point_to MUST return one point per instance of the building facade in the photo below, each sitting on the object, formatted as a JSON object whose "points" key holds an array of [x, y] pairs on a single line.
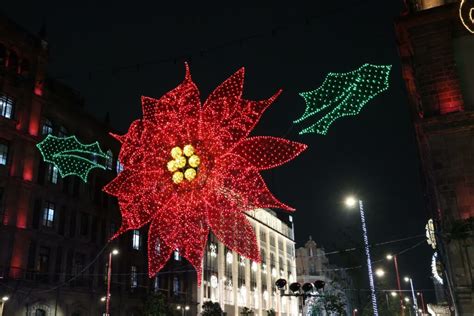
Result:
{"points": [[239, 284], [436, 46], [312, 265], [53, 230]]}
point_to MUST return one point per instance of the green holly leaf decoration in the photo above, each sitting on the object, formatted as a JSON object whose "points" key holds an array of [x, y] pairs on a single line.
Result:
{"points": [[344, 94], [70, 156]]}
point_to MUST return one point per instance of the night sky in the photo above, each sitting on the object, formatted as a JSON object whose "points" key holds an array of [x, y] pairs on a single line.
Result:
{"points": [[373, 155]]}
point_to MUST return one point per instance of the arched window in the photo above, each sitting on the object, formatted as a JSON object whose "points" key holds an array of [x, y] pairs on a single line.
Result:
{"points": [[110, 160], [13, 61], [119, 167], [47, 127], [40, 312], [175, 285]]}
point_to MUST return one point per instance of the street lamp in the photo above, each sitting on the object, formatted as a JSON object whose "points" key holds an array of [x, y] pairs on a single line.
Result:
{"points": [[352, 202], [183, 309], [415, 304], [379, 272], [109, 275], [395, 263], [2, 303], [420, 294], [354, 312]]}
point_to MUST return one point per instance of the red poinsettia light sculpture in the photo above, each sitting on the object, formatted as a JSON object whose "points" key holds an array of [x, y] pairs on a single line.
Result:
{"points": [[191, 168]]}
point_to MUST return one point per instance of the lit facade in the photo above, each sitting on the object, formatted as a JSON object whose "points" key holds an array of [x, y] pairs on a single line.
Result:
{"points": [[312, 265], [235, 282], [436, 50]]}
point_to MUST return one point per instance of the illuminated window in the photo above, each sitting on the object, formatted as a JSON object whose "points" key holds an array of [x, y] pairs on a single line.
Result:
{"points": [[47, 127], [110, 160], [6, 106], [175, 285], [136, 239], [176, 255], [119, 166], [133, 277], [48, 215], [53, 173], [3, 154]]}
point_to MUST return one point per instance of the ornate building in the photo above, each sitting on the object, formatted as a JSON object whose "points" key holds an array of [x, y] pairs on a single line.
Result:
{"points": [[436, 45], [53, 230], [312, 264]]}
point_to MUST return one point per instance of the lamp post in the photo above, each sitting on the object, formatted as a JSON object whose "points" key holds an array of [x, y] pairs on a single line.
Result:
{"points": [[109, 274], [395, 263], [297, 290], [420, 294], [354, 312], [2, 303], [415, 304], [351, 202], [183, 309]]}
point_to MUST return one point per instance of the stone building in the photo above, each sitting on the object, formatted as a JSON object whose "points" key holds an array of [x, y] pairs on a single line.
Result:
{"points": [[236, 282], [53, 230], [436, 46], [312, 264]]}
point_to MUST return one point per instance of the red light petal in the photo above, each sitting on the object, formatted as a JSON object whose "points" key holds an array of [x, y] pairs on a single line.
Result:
{"points": [[235, 118], [265, 152], [234, 230], [181, 102], [231, 87], [238, 181]]}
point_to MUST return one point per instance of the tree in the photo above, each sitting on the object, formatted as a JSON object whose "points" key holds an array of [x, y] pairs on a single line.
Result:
{"points": [[210, 308], [246, 311], [271, 312], [156, 305]]}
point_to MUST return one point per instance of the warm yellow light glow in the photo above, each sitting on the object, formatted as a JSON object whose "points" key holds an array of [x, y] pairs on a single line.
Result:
{"points": [[178, 177], [188, 150], [194, 161], [5, 298], [115, 252], [181, 161], [379, 272], [389, 257], [176, 152], [393, 293], [102, 299], [407, 279], [190, 174], [172, 166], [407, 299], [351, 201]]}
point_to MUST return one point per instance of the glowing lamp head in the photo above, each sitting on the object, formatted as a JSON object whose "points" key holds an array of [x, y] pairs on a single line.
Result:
{"points": [[393, 293], [407, 299], [351, 201], [5, 298], [178, 307], [115, 252], [379, 272], [186, 307], [407, 279], [102, 299], [389, 257]]}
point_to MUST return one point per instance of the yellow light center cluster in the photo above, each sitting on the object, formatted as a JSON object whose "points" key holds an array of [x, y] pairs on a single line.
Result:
{"points": [[184, 164]]}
